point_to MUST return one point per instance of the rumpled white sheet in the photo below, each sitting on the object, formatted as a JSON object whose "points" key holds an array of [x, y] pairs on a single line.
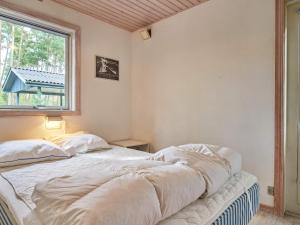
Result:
{"points": [[215, 169], [206, 211], [113, 192]]}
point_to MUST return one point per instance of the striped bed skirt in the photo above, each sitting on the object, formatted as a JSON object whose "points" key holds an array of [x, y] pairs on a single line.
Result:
{"points": [[240, 212], [6, 217]]}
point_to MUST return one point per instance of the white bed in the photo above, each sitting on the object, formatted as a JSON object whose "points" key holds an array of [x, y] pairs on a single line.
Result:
{"points": [[201, 212]]}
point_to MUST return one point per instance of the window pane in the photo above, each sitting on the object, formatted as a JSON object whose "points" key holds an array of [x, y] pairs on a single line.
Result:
{"points": [[32, 67]]}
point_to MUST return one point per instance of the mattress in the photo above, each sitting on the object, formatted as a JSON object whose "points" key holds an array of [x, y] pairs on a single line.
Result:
{"points": [[237, 200]]}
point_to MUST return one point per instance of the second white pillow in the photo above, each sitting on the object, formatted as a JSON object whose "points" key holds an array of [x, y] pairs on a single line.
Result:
{"points": [[80, 143]]}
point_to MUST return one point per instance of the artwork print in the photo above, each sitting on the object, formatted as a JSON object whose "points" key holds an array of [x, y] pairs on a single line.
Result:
{"points": [[107, 68]]}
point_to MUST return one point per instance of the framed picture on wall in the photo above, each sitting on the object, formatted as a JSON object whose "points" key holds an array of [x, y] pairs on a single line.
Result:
{"points": [[107, 68]]}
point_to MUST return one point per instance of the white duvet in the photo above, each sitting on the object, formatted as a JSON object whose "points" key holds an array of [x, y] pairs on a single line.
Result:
{"points": [[91, 191]]}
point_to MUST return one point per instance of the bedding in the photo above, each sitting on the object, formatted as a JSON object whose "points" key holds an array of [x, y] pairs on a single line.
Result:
{"points": [[91, 191], [80, 142], [149, 170], [19, 152], [239, 212], [233, 157], [215, 169], [20, 210], [206, 211]]}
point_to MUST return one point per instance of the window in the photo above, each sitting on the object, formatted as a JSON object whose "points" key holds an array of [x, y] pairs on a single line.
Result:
{"points": [[38, 59]]}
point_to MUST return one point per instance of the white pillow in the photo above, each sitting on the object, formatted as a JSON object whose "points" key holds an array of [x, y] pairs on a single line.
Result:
{"points": [[80, 143], [19, 152]]}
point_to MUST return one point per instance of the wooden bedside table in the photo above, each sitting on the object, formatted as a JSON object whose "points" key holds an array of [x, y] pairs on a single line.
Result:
{"points": [[134, 144]]}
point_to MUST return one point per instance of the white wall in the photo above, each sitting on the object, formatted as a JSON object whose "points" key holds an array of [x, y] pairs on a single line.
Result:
{"points": [[207, 76], [105, 103]]}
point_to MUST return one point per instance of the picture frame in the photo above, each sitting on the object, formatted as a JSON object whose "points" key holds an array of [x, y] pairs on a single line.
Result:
{"points": [[107, 68]]}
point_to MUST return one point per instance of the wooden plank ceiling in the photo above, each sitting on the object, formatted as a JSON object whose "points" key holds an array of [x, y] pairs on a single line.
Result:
{"points": [[130, 15]]}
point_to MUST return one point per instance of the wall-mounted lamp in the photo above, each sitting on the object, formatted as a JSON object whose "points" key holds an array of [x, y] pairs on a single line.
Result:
{"points": [[54, 122], [146, 33]]}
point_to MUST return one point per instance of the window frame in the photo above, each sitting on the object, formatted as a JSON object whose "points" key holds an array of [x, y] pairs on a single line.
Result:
{"points": [[73, 67]]}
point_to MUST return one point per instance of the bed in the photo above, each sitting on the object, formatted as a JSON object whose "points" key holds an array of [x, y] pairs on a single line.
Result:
{"points": [[235, 203]]}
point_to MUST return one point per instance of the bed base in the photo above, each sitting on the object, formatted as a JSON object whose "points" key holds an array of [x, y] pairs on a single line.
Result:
{"points": [[242, 210]]}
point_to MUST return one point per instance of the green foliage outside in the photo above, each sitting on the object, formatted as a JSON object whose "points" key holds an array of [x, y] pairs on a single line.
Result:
{"points": [[29, 48]]}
